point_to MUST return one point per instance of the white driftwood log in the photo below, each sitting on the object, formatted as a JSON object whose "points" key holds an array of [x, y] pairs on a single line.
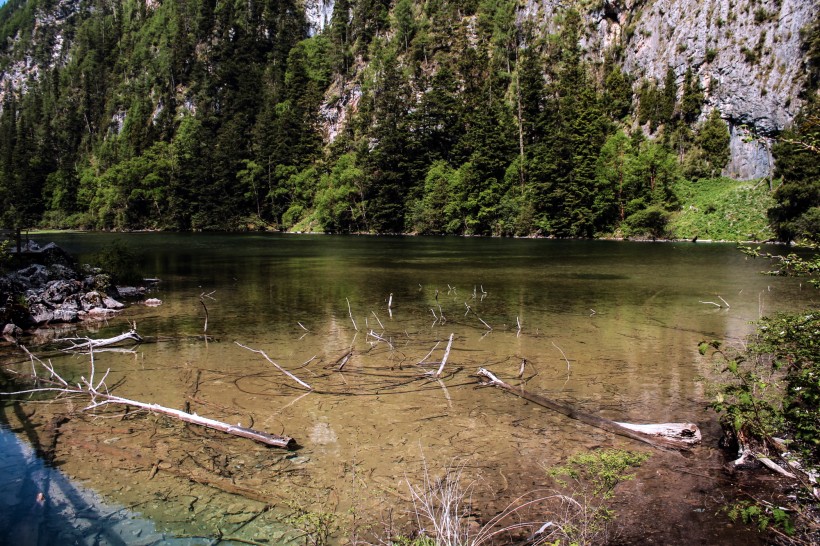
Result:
{"points": [[688, 433], [83, 344], [98, 392], [236, 430], [682, 438]]}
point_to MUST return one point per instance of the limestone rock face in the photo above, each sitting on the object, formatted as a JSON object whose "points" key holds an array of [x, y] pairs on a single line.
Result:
{"points": [[318, 14], [747, 54]]}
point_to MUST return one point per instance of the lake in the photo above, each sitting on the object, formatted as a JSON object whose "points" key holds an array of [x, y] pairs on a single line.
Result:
{"points": [[609, 327]]}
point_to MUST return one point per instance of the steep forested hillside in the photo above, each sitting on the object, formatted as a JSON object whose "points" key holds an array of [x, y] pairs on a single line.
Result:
{"points": [[437, 116]]}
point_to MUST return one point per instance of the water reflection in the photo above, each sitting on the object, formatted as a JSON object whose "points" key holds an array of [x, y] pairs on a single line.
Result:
{"points": [[611, 327], [40, 506]]}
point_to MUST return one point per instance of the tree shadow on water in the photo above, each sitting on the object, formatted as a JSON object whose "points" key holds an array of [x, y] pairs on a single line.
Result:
{"points": [[40, 506]]}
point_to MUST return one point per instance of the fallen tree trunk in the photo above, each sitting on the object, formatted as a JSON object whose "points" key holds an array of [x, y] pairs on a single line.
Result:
{"points": [[100, 398], [664, 436], [236, 430]]}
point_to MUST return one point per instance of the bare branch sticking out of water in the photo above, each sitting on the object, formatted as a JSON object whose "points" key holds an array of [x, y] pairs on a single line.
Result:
{"points": [[350, 312], [428, 354], [470, 309], [446, 354], [569, 370], [202, 297], [521, 368], [100, 397], [374, 335], [277, 366], [377, 320], [718, 305]]}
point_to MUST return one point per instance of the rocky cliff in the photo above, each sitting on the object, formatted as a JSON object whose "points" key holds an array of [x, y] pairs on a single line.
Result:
{"points": [[747, 54]]}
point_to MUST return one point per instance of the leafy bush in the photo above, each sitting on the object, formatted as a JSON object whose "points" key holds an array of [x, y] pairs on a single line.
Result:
{"points": [[120, 262], [590, 479], [761, 516], [773, 386], [651, 222]]}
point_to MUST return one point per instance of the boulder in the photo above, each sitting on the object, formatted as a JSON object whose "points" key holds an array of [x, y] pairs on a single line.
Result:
{"points": [[11, 331], [58, 291]]}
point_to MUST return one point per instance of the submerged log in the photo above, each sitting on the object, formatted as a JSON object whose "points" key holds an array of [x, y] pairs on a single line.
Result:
{"points": [[664, 436], [236, 430]]}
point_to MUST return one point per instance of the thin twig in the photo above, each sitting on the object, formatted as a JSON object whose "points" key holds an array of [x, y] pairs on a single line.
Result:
{"points": [[278, 367], [350, 312], [446, 354]]}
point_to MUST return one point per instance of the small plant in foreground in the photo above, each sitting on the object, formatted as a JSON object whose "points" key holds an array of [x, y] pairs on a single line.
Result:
{"points": [[317, 527], [600, 471], [762, 516], [590, 478]]}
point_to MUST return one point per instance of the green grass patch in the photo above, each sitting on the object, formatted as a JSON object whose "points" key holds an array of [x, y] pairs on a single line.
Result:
{"points": [[722, 209]]}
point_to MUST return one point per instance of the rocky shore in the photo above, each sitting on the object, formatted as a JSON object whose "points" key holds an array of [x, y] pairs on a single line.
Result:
{"points": [[47, 286]]}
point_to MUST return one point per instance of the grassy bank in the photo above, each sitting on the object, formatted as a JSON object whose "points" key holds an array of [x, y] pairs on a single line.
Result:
{"points": [[722, 209]]}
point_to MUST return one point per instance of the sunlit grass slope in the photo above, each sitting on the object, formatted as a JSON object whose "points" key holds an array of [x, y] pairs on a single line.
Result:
{"points": [[722, 209]]}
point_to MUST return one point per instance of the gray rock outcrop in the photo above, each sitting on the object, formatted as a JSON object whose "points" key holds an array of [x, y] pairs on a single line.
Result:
{"points": [[52, 292], [747, 54]]}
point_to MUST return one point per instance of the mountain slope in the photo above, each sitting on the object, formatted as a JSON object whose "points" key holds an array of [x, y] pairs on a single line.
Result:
{"points": [[485, 116]]}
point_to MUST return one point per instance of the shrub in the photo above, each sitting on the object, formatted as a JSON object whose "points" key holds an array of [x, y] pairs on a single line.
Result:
{"points": [[651, 222], [120, 262]]}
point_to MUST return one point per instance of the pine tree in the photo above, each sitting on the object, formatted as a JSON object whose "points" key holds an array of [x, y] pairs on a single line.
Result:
{"points": [[713, 138]]}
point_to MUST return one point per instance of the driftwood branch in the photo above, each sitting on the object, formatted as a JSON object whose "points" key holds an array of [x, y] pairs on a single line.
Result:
{"points": [[446, 355], [202, 297], [350, 312], [277, 366], [100, 397], [85, 344], [683, 435]]}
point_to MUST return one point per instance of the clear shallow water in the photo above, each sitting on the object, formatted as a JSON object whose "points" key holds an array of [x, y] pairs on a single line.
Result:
{"points": [[39, 505], [612, 327]]}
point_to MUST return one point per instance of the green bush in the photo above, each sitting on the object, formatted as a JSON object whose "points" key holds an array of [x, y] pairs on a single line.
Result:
{"points": [[772, 388], [649, 222], [120, 262]]}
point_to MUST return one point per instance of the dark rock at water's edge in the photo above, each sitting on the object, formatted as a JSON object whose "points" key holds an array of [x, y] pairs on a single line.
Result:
{"points": [[51, 287]]}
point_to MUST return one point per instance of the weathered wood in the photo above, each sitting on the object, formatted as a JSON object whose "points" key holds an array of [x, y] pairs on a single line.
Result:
{"points": [[446, 354], [102, 397], [81, 344], [680, 441], [277, 366], [688, 433]]}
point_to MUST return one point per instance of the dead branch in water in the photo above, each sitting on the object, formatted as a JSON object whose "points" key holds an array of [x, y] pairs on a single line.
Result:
{"points": [[87, 344], [202, 301], [350, 312], [277, 366], [98, 392], [666, 435], [446, 354]]}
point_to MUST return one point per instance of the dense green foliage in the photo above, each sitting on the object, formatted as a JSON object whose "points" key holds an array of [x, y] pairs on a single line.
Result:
{"points": [[459, 119], [722, 209], [797, 212]]}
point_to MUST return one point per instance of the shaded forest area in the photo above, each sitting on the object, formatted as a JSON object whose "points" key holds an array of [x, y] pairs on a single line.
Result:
{"points": [[198, 115]]}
